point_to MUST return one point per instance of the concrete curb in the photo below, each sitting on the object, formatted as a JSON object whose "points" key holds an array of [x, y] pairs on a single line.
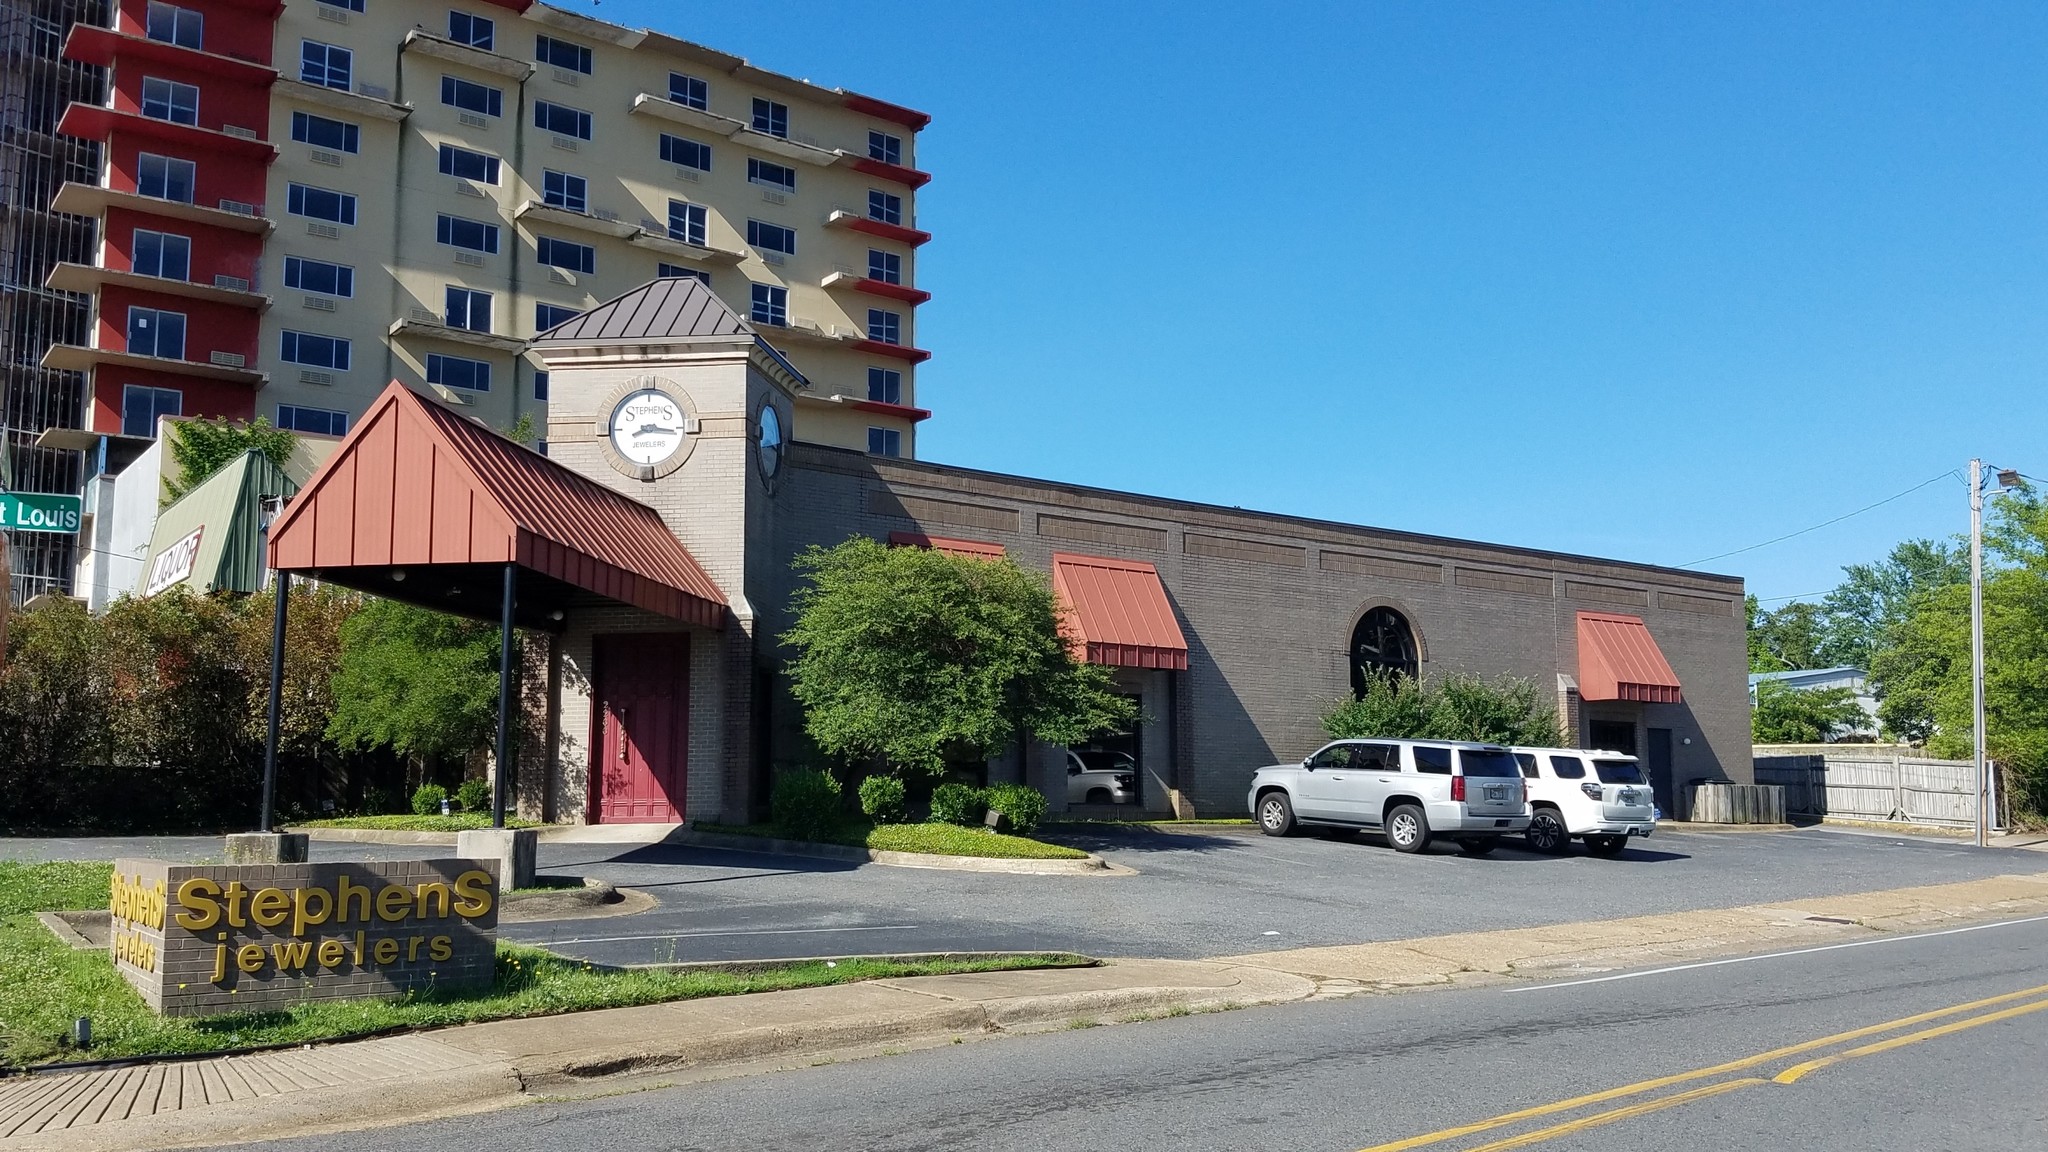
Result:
{"points": [[1689, 826], [1091, 866]]}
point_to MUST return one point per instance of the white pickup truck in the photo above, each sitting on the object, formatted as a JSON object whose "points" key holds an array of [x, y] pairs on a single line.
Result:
{"points": [[1601, 797]]}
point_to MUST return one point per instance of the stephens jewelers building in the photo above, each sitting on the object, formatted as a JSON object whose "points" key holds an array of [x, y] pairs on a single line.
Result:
{"points": [[652, 546]]}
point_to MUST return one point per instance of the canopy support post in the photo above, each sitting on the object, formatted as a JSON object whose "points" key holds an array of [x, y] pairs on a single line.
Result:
{"points": [[283, 583], [504, 765]]}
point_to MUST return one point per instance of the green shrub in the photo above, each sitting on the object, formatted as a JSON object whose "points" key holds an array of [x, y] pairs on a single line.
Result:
{"points": [[958, 804], [805, 803], [881, 797], [474, 795], [427, 799], [1021, 805]]}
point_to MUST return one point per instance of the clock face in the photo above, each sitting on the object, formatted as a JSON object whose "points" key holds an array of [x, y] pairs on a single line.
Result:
{"points": [[647, 426], [768, 445]]}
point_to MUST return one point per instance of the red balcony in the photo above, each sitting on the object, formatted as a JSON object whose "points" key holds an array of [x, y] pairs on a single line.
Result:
{"points": [[93, 122], [841, 218], [872, 287], [910, 118], [881, 169], [896, 351], [884, 408], [92, 44]]}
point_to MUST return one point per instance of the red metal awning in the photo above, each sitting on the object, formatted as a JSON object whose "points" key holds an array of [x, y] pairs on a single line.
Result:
{"points": [[1117, 612], [973, 549], [417, 485], [1620, 660]]}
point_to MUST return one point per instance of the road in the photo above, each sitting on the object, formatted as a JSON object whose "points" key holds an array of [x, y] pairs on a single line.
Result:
{"points": [[1208, 892], [1433, 1070]]}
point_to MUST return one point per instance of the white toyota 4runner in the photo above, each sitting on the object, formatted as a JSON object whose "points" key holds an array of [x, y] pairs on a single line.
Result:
{"points": [[1601, 797]]}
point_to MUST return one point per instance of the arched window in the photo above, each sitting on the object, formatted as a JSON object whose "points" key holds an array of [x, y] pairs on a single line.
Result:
{"points": [[1381, 644]]}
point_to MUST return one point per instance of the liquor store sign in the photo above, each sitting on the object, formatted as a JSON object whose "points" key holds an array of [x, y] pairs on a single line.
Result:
{"points": [[198, 940], [40, 512]]}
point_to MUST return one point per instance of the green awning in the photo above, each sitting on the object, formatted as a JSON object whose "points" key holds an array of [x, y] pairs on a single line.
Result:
{"points": [[211, 538]]}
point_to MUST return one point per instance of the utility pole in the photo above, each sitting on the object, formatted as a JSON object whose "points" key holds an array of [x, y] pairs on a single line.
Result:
{"points": [[1977, 638]]}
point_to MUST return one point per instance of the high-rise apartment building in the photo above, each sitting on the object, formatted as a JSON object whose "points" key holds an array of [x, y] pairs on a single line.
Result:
{"points": [[36, 85], [301, 202]]}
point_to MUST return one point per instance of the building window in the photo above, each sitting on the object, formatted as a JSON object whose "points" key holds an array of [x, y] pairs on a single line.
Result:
{"points": [[771, 118], [321, 132], [351, 5], [475, 31], [678, 272], [546, 316], [163, 254], [885, 385], [562, 54], [467, 309], [689, 91], [885, 442], [564, 190], [174, 25], [885, 326], [165, 178], [561, 119], [313, 350], [686, 222], [326, 65], [458, 372], [566, 254], [463, 164], [320, 203], [771, 305], [470, 96], [1382, 647], [141, 406], [319, 277], [317, 421], [459, 232], [884, 147], [170, 100], [769, 175], [686, 153], [771, 237], [885, 266], [884, 207], [540, 392], [155, 332]]}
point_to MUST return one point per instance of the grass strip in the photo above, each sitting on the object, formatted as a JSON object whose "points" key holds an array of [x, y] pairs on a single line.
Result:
{"points": [[459, 822], [45, 984], [932, 839]]}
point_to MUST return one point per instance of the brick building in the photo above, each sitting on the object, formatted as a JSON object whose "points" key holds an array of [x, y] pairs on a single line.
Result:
{"points": [[1234, 629]]}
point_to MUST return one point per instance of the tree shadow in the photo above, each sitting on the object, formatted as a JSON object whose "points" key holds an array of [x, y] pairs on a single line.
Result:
{"points": [[697, 856], [1142, 838]]}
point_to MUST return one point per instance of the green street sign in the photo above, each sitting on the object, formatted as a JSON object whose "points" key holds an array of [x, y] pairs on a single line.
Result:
{"points": [[39, 512]]}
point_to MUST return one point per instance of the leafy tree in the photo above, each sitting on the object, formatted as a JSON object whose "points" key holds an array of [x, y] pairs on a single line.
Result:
{"points": [[202, 447], [1873, 598], [917, 657], [1787, 715], [1786, 638], [423, 683], [1507, 710]]}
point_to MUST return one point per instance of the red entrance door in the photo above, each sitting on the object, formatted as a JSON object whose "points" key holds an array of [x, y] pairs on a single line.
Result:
{"points": [[643, 694]]}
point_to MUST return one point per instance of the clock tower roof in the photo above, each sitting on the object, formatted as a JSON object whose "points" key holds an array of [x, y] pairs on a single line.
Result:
{"points": [[671, 310]]}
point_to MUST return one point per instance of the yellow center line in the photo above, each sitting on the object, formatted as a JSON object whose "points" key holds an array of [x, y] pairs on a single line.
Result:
{"points": [[1791, 1075], [1742, 1064], [1616, 1114]]}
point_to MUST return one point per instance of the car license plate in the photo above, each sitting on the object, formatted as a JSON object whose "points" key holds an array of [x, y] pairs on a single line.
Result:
{"points": [[1629, 795], [1496, 791]]}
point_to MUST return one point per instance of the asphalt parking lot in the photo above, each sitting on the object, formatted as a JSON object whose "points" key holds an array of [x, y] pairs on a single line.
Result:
{"points": [[1196, 892]]}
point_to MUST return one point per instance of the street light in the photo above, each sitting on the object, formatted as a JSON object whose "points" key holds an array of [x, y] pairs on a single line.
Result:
{"points": [[2005, 480]]}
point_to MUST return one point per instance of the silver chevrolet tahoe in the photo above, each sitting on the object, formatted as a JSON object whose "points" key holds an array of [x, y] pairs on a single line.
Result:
{"points": [[1410, 790]]}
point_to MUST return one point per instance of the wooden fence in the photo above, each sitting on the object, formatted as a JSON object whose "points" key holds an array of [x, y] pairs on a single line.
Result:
{"points": [[1875, 785]]}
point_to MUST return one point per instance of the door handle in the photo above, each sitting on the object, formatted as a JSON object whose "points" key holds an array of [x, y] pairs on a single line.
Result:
{"points": [[622, 733]]}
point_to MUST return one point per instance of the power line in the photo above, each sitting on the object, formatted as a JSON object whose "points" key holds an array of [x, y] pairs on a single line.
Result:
{"points": [[1823, 524]]}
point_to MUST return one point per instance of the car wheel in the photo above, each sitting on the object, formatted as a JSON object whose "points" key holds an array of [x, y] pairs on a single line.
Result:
{"points": [[1407, 829], [1276, 815], [1606, 845], [1546, 832], [1100, 796], [1478, 846]]}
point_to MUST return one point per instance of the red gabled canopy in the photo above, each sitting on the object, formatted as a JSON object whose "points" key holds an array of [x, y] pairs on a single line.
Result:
{"points": [[1619, 660], [417, 485], [1117, 612]]}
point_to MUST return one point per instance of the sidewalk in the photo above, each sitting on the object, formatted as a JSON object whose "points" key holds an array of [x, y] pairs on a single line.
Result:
{"points": [[478, 1066]]}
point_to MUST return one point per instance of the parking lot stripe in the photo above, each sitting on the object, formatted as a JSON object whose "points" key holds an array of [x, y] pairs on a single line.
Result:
{"points": [[1739, 1065], [1771, 956]]}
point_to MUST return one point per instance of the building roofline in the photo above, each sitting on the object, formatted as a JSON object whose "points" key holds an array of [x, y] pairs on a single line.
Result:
{"points": [[915, 467]]}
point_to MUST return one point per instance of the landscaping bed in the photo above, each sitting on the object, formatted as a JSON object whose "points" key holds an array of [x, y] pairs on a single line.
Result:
{"points": [[931, 838], [45, 984], [459, 822]]}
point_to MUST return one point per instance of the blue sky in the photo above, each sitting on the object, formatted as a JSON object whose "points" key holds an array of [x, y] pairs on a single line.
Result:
{"points": [[1652, 282]]}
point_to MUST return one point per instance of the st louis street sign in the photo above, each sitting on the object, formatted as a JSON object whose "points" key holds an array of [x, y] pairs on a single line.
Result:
{"points": [[39, 512]]}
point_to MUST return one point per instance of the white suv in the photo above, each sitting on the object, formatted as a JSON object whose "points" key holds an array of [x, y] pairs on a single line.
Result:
{"points": [[1411, 790], [1576, 792]]}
